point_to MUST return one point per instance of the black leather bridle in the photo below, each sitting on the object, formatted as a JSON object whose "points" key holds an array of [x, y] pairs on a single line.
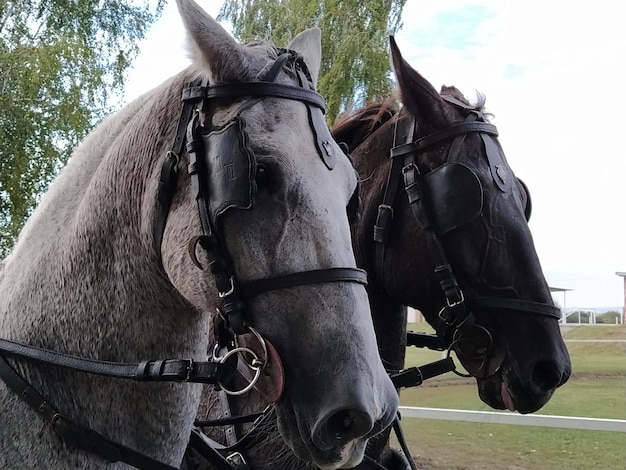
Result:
{"points": [[456, 315], [231, 320]]}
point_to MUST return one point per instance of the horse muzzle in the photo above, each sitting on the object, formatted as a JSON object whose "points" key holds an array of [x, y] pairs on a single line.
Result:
{"points": [[339, 434]]}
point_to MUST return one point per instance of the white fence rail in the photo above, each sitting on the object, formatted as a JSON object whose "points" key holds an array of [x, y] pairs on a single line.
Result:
{"points": [[496, 417]]}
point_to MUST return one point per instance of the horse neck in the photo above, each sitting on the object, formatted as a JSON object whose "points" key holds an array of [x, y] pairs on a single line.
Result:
{"points": [[84, 279]]}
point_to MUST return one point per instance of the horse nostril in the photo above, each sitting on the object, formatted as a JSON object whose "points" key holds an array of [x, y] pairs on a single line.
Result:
{"points": [[342, 426], [547, 376]]}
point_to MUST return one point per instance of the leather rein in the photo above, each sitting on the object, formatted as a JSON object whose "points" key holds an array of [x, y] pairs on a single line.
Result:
{"points": [[231, 320]]}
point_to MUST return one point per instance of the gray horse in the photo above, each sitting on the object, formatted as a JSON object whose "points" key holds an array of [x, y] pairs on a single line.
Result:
{"points": [[87, 279]]}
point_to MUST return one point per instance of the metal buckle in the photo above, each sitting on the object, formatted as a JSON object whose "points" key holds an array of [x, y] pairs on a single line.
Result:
{"points": [[172, 154], [410, 166], [236, 459], [230, 291], [189, 368], [458, 302]]}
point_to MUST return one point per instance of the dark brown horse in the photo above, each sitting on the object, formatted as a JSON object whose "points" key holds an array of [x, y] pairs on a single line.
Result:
{"points": [[442, 227]]}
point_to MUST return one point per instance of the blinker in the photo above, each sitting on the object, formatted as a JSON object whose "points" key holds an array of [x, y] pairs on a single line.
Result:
{"points": [[230, 168], [442, 188]]}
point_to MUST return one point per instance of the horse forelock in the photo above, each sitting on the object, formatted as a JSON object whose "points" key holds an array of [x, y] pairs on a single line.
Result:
{"points": [[478, 105]]}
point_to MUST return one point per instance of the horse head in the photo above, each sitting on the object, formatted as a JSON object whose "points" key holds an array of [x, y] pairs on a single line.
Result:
{"points": [[274, 225], [459, 247]]}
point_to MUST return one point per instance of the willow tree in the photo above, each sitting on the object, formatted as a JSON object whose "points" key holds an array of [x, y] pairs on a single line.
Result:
{"points": [[62, 67], [355, 38]]}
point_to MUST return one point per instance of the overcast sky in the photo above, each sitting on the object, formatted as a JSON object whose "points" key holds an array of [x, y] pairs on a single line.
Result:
{"points": [[552, 72]]}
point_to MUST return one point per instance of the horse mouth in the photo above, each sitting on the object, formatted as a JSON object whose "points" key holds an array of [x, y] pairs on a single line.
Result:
{"points": [[503, 391], [507, 399]]}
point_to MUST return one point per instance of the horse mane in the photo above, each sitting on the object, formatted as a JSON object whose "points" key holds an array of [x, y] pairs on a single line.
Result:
{"points": [[353, 128]]}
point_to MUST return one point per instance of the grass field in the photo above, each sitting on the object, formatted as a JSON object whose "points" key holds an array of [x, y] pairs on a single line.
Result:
{"points": [[596, 389]]}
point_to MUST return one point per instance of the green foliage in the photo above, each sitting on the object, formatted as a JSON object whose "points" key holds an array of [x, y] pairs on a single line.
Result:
{"points": [[579, 316], [611, 317], [61, 65], [355, 37]]}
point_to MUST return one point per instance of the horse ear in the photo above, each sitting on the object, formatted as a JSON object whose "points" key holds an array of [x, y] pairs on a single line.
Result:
{"points": [[309, 44], [212, 48], [417, 94]]}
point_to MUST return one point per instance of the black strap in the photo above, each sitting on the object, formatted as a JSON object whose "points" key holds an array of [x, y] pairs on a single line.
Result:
{"points": [[241, 419], [168, 178], [402, 441], [415, 376], [213, 451], [252, 288], [82, 437], [538, 308], [209, 450], [277, 90], [161, 370], [382, 228], [424, 340], [444, 134]]}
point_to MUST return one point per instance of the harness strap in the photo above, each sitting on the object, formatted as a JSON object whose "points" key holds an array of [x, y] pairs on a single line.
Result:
{"points": [[208, 449], [317, 276], [455, 311], [276, 90], [161, 370], [537, 308], [382, 228], [82, 437], [402, 441], [213, 451], [415, 376], [168, 178], [444, 134], [424, 340]]}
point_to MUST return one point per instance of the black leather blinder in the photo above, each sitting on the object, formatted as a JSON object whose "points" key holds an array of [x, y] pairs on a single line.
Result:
{"points": [[230, 168], [455, 196]]}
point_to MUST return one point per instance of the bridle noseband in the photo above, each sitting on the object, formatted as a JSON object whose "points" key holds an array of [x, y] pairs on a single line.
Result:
{"points": [[192, 136], [456, 315]]}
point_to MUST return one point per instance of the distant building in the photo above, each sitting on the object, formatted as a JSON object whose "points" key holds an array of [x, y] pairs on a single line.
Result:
{"points": [[623, 274]]}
